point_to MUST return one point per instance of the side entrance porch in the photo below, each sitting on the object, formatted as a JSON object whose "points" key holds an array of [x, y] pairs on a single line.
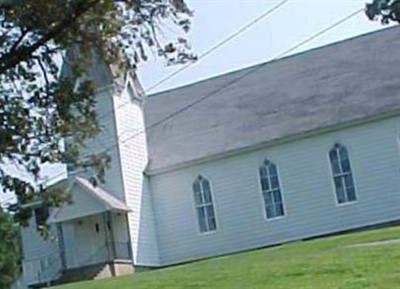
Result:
{"points": [[92, 239]]}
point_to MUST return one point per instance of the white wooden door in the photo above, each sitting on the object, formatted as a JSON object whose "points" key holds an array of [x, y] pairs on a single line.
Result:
{"points": [[90, 240], [69, 243]]}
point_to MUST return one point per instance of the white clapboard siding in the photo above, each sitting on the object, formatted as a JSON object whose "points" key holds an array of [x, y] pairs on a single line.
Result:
{"points": [[39, 254], [134, 158], [307, 189], [34, 246], [106, 140]]}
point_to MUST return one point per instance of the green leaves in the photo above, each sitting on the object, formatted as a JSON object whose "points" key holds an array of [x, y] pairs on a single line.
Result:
{"points": [[10, 253], [386, 10], [43, 103]]}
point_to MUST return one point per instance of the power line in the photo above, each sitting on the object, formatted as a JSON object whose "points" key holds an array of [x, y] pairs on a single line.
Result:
{"points": [[220, 44], [234, 35], [319, 33], [208, 52], [216, 91], [251, 71]]}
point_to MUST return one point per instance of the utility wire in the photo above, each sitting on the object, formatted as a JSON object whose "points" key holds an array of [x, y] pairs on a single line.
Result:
{"points": [[250, 71], [234, 35], [228, 84], [208, 52], [220, 44]]}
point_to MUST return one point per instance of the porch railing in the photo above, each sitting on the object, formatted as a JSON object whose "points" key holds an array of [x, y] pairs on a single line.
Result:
{"points": [[106, 253], [48, 268], [122, 250], [43, 269]]}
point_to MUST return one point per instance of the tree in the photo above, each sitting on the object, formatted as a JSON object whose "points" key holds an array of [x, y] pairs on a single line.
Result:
{"points": [[9, 250], [39, 107], [386, 10]]}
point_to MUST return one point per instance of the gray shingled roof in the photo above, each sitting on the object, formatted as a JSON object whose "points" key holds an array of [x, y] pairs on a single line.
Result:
{"points": [[104, 201], [343, 82]]}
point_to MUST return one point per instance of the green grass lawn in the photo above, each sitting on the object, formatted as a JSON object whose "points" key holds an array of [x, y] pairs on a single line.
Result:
{"points": [[326, 263]]}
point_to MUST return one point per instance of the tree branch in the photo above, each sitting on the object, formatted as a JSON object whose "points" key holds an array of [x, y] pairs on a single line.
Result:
{"points": [[10, 60], [18, 41]]}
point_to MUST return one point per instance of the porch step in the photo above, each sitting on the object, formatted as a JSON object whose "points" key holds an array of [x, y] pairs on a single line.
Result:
{"points": [[82, 273], [95, 271]]}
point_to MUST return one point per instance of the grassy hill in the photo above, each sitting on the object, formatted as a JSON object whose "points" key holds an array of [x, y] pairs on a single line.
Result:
{"points": [[327, 263]]}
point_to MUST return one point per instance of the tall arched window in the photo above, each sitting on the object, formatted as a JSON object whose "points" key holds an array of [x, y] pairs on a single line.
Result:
{"points": [[271, 190], [342, 175], [204, 205]]}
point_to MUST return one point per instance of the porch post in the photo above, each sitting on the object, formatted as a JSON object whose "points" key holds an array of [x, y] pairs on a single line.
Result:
{"points": [[129, 236], [109, 233], [61, 245]]}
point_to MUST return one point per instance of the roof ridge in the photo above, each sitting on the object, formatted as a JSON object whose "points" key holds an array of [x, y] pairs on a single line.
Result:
{"points": [[243, 69], [86, 184], [311, 92]]}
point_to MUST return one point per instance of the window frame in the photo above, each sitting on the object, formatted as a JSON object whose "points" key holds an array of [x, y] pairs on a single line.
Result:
{"points": [[341, 175], [398, 144], [261, 192], [195, 206]]}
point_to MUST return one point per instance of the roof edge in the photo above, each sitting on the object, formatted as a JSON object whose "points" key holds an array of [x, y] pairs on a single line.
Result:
{"points": [[236, 70], [85, 184], [278, 141]]}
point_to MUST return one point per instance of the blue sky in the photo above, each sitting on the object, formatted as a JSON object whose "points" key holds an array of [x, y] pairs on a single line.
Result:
{"points": [[215, 20]]}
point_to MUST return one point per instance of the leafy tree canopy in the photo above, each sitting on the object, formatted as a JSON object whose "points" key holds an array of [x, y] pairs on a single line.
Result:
{"points": [[385, 10], [39, 107], [9, 250]]}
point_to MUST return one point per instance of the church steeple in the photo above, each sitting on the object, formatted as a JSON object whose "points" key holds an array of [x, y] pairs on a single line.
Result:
{"points": [[119, 101]]}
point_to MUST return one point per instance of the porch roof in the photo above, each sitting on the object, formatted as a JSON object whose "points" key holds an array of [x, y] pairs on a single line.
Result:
{"points": [[87, 200]]}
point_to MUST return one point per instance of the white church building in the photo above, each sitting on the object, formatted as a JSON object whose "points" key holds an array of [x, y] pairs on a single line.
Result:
{"points": [[296, 148]]}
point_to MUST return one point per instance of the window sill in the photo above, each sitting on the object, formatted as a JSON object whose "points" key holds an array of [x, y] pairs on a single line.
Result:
{"points": [[345, 204], [275, 218], [207, 233]]}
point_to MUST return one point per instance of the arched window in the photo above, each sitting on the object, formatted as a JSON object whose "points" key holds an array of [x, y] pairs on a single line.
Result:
{"points": [[204, 205], [271, 190], [342, 175]]}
